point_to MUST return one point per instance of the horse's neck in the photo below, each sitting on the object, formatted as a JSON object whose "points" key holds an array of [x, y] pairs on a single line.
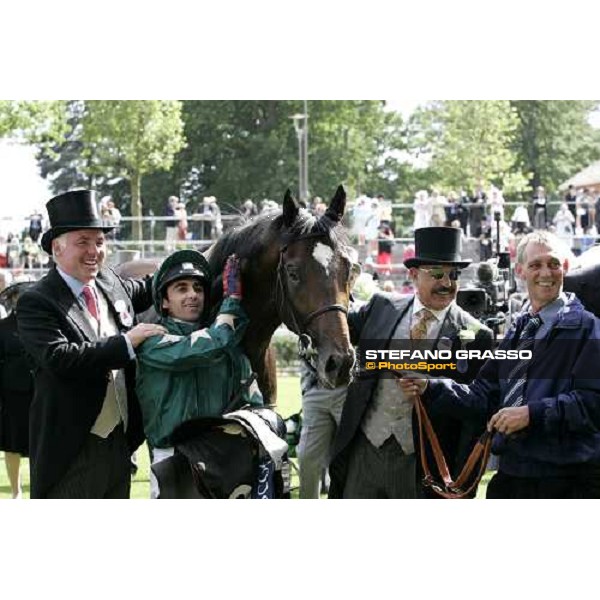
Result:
{"points": [[261, 306], [208, 252]]}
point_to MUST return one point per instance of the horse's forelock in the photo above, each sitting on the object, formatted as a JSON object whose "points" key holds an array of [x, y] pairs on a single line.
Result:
{"points": [[336, 232], [252, 238], [307, 224]]}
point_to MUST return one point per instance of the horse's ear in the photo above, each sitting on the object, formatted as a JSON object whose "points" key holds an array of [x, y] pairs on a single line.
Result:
{"points": [[291, 208], [337, 206]]}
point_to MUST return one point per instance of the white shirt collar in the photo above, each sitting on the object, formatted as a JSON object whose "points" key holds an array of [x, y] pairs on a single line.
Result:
{"points": [[74, 284], [440, 315]]}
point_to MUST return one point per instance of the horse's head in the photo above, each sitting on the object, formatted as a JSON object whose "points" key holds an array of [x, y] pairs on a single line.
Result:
{"points": [[296, 269], [314, 275]]}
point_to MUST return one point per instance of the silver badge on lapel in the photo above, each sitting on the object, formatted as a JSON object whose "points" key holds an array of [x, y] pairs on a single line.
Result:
{"points": [[124, 315]]}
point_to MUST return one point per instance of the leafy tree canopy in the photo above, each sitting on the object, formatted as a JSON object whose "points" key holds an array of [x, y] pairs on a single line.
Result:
{"points": [[131, 138], [37, 122], [555, 139], [469, 143]]}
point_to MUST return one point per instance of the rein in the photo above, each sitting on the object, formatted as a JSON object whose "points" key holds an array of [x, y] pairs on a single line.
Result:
{"points": [[449, 488]]}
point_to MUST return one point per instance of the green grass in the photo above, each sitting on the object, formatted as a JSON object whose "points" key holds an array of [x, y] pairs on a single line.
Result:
{"points": [[288, 392], [289, 402]]}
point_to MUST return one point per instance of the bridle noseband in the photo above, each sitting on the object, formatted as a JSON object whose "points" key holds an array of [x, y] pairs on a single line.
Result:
{"points": [[320, 311]]}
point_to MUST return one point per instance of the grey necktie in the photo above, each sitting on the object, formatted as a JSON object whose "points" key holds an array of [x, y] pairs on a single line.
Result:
{"points": [[517, 378]]}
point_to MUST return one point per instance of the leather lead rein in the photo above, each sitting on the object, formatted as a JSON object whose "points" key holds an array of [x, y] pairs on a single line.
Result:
{"points": [[449, 488]]}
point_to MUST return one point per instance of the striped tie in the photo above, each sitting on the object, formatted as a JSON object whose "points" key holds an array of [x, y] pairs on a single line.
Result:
{"points": [[90, 301], [517, 378]]}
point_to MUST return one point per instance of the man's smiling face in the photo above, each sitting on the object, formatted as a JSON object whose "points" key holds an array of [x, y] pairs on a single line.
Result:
{"points": [[184, 299], [543, 270], [80, 253]]}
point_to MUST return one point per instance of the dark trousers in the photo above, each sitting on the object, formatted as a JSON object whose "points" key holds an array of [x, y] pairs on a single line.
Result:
{"points": [[582, 482], [101, 470], [384, 472]]}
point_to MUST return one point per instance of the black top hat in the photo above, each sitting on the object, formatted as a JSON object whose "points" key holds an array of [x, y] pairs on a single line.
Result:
{"points": [[71, 211], [182, 264], [437, 246]]}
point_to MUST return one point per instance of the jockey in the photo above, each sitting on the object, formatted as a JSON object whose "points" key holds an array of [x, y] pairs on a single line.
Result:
{"points": [[197, 369]]}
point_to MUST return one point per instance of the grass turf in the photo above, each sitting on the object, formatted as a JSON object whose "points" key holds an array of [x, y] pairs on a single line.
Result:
{"points": [[289, 402]]}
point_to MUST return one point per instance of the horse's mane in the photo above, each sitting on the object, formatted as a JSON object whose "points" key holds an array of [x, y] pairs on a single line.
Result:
{"points": [[253, 237]]}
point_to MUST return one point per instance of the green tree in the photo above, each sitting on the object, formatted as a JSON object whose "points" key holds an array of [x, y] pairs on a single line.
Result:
{"points": [[63, 163], [244, 149], [354, 142], [423, 128], [36, 122], [248, 149], [474, 144], [555, 139], [131, 138], [237, 149]]}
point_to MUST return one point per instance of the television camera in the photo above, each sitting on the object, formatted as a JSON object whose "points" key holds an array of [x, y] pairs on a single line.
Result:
{"points": [[487, 299]]}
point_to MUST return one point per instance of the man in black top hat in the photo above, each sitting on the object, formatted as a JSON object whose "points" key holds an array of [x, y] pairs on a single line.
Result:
{"points": [[77, 324], [376, 451]]}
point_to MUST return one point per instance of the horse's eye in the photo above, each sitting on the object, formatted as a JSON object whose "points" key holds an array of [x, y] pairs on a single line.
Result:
{"points": [[293, 274]]}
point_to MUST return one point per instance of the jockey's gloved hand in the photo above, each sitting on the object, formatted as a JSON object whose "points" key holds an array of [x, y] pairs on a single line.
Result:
{"points": [[232, 278]]}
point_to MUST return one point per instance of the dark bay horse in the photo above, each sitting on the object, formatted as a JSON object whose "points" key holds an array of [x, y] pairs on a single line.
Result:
{"points": [[297, 270]]}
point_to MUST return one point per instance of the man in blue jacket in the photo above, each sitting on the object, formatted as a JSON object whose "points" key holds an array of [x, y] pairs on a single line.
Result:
{"points": [[546, 410]]}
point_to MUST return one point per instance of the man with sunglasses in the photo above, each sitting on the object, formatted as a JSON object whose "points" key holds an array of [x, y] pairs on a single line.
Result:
{"points": [[376, 448]]}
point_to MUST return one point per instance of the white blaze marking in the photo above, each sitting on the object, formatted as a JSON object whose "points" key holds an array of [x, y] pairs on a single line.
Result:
{"points": [[323, 255]]}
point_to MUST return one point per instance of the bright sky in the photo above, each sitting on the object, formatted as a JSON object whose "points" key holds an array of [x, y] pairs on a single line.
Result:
{"points": [[21, 187]]}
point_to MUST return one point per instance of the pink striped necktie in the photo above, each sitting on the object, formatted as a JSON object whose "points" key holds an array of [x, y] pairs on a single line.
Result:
{"points": [[90, 301]]}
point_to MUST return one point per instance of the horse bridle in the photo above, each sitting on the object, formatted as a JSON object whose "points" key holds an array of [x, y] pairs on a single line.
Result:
{"points": [[283, 302]]}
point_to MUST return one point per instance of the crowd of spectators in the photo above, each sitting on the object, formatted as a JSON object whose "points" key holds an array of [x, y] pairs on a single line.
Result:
{"points": [[481, 214]]}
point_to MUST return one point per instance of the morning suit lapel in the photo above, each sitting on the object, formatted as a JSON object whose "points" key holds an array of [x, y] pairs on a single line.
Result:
{"points": [[450, 326], [106, 287], [116, 298], [64, 297], [396, 312]]}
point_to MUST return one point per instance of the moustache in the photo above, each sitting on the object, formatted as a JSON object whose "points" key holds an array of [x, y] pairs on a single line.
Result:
{"points": [[443, 289]]}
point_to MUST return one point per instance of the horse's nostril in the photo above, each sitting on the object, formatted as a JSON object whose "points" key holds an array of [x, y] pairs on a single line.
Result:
{"points": [[339, 365], [332, 364]]}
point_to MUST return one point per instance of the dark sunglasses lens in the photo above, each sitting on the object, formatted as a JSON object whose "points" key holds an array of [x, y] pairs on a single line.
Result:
{"points": [[438, 275]]}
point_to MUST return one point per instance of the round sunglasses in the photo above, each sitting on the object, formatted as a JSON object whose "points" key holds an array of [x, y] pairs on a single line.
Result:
{"points": [[438, 273]]}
